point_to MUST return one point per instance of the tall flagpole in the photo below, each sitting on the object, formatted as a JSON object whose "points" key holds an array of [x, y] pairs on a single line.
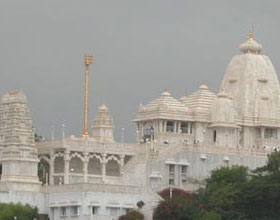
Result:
{"points": [[88, 60]]}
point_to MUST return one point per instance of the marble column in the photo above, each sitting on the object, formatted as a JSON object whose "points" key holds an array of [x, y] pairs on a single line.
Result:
{"points": [[85, 166], [142, 130], [262, 132], [160, 126], [103, 166], [175, 127], [164, 126], [51, 168], [122, 162], [66, 166], [179, 127]]}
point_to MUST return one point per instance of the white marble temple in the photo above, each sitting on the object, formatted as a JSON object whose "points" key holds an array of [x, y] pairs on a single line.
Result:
{"points": [[178, 143]]}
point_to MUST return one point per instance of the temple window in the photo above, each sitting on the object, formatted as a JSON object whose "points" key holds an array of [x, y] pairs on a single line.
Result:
{"points": [[171, 182], [94, 210], [112, 168], [63, 211], [170, 126], [215, 136], [74, 210], [114, 211], [184, 127], [270, 133], [183, 169], [148, 134], [171, 168]]}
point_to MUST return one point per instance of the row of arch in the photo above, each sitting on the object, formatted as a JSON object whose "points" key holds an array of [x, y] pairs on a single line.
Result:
{"points": [[79, 164], [94, 166]]}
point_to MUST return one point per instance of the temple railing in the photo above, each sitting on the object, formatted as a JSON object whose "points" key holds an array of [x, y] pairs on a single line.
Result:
{"points": [[109, 188]]}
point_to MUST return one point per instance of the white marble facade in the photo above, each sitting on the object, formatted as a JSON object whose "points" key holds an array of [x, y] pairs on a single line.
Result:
{"points": [[178, 143]]}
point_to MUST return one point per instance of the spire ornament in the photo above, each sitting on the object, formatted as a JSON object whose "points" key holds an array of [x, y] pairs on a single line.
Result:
{"points": [[251, 33], [88, 60]]}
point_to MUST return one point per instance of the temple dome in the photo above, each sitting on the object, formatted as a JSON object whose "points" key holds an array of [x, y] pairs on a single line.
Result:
{"points": [[251, 46], [165, 102], [252, 82], [164, 107], [201, 100], [103, 108]]}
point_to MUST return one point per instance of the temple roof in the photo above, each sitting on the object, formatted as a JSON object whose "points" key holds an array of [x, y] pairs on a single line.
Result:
{"points": [[223, 113], [252, 82], [201, 100], [164, 107], [165, 101], [14, 96], [251, 46]]}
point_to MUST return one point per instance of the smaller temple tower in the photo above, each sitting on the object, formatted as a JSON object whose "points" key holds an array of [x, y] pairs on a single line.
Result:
{"points": [[103, 125], [18, 154]]}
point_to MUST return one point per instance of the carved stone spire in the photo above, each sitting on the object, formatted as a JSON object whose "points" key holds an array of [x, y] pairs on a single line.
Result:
{"points": [[19, 155], [103, 125]]}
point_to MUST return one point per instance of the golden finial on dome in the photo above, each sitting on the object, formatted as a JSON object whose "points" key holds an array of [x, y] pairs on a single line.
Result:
{"points": [[251, 33]]}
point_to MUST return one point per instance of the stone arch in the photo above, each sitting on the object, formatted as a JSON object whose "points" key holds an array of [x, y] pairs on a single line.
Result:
{"points": [[45, 158], [58, 164], [76, 163], [94, 165], [44, 170], [76, 154], [112, 168], [112, 157]]}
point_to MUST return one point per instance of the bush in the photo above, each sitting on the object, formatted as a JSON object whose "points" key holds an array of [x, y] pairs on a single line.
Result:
{"points": [[22, 212], [177, 205], [133, 215]]}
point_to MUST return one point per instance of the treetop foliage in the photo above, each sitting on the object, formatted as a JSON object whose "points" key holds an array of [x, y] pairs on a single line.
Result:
{"points": [[230, 193], [23, 212]]}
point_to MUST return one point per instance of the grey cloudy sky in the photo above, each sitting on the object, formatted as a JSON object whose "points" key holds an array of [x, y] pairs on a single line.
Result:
{"points": [[140, 48]]}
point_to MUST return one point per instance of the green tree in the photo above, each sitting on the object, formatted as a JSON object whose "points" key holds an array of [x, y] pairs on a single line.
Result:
{"points": [[230, 193], [260, 198], [177, 205], [22, 212], [207, 215], [222, 192], [133, 215]]}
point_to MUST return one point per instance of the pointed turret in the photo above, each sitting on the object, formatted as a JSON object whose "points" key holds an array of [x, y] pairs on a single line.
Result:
{"points": [[103, 125], [19, 155]]}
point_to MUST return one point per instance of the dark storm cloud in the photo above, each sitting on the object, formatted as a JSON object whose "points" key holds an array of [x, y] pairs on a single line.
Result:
{"points": [[140, 48]]}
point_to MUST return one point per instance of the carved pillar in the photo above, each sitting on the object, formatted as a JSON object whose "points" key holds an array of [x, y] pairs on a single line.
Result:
{"points": [[179, 127], [103, 164], [121, 167], [85, 166], [164, 126], [175, 127], [262, 132], [51, 168], [156, 125], [122, 163], [160, 126], [66, 166], [142, 130]]}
